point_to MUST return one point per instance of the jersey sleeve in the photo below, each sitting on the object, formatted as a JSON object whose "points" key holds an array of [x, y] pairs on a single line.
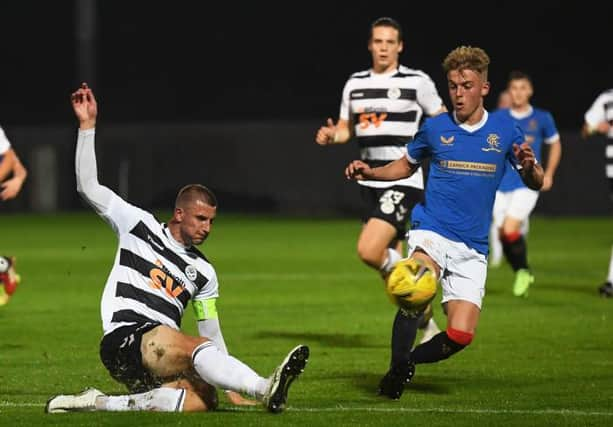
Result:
{"points": [[345, 112], [210, 291], [596, 113], [419, 148], [5, 145], [550, 131], [121, 215], [428, 97]]}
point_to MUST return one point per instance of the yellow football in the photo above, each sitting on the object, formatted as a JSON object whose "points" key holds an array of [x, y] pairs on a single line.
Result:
{"points": [[411, 284]]}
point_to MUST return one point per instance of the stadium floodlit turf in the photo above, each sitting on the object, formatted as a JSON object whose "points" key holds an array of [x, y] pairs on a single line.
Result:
{"points": [[544, 360]]}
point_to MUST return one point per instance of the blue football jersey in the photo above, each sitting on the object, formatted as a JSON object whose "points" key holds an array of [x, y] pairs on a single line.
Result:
{"points": [[538, 127], [465, 170]]}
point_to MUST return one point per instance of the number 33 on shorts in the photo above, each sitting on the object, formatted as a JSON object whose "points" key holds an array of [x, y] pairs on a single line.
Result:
{"points": [[389, 200]]}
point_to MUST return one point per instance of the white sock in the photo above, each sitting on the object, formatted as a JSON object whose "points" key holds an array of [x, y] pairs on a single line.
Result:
{"points": [[226, 372], [161, 399], [432, 327], [610, 278], [392, 258], [495, 245]]}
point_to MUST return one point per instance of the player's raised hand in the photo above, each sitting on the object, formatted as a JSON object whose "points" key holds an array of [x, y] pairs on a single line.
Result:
{"points": [[325, 134], [85, 106], [358, 170], [9, 189], [525, 155]]}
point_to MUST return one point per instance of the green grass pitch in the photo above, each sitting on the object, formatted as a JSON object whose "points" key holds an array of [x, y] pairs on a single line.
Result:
{"points": [[545, 360]]}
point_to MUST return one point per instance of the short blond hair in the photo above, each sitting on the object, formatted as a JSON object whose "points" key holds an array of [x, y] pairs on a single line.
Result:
{"points": [[467, 58], [194, 192]]}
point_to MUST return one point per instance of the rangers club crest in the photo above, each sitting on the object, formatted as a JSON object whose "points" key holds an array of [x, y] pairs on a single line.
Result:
{"points": [[493, 142]]}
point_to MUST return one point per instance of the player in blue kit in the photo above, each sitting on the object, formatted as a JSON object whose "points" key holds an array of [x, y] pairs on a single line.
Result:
{"points": [[514, 201], [469, 151]]}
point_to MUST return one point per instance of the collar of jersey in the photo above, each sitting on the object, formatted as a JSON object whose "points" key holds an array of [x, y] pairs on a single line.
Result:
{"points": [[172, 240], [518, 115], [384, 75], [476, 126]]}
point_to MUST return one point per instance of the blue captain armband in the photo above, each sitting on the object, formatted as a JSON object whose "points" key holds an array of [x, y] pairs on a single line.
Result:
{"points": [[205, 309]]}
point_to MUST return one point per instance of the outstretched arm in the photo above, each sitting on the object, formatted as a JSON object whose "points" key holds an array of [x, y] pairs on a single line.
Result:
{"points": [[553, 160], [397, 169], [333, 134], [531, 172], [595, 120], [86, 110], [602, 127]]}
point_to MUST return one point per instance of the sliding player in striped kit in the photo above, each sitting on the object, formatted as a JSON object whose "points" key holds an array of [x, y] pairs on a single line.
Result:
{"points": [[157, 271], [382, 108]]}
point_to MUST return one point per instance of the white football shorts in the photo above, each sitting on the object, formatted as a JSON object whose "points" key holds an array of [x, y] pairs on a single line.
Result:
{"points": [[517, 204], [463, 269]]}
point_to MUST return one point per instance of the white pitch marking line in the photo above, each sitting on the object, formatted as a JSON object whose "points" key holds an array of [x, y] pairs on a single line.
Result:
{"points": [[463, 411], [19, 404], [391, 410], [292, 276]]}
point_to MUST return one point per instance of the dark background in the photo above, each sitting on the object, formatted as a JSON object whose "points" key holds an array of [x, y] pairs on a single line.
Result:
{"points": [[184, 61], [231, 91]]}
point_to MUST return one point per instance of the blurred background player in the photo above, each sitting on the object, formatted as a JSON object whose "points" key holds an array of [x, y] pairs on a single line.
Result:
{"points": [[495, 257], [514, 200], [504, 100], [606, 289], [382, 107], [599, 119], [469, 150], [12, 176]]}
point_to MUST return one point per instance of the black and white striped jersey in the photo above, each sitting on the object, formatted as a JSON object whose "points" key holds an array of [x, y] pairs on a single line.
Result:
{"points": [[153, 276], [385, 111], [602, 111], [5, 145]]}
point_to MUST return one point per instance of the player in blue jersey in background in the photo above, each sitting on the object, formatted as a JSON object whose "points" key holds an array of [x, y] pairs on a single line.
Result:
{"points": [[496, 254], [469, 151], [514, 201]]}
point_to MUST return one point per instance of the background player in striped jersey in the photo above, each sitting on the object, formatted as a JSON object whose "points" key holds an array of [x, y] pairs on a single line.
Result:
{"points": [[599, 119], [514, 200], [12, 176], [157, 271], [382, 107], [469, 151]]}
